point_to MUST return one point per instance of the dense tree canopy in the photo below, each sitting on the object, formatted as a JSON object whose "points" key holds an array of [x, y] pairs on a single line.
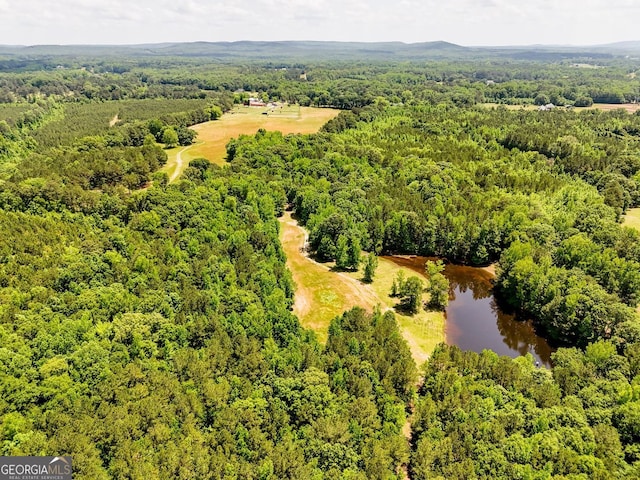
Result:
{"points": [[146, 327]]}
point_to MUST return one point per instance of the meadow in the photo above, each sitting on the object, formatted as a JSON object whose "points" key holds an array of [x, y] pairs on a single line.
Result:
{"points": [[323, 294], [632, 218], [213, 136]]}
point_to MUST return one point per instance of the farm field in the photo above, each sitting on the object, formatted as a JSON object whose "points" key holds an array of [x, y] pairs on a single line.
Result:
{"points": [[213, 136], [629, 107], [322, 294]]}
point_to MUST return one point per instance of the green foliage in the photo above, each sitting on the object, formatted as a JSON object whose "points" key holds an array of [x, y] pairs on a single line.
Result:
{"points": [[157, 337], [148, 331], [504, 418], [370, 265], [468, 185], [410, 293], [169, 137], [438, 285]]}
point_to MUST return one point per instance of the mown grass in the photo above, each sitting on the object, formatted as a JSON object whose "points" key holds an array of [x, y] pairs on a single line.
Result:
{"points": [[322, 294], [629, 107], [213, 136], [423, 330], [632, 218], [212, 139]]}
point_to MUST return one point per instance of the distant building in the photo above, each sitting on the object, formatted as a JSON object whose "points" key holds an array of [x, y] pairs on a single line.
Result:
{"points": [[547, 107], [256, 102]]}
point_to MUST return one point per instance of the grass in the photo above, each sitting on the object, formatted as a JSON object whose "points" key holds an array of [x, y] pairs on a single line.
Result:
{"points": [[213, 137], [422, 331], [509, 107], [632, 218], [629, 107], [322, 294]]}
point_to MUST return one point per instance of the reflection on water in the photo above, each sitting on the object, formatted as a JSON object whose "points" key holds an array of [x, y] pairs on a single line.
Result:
{"points": [[475, 321]]}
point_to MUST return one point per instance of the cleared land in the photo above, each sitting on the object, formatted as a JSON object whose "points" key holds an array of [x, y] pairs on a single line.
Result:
{"points": [[632, 218], [213, 137], [629, 107], [322, 294]]}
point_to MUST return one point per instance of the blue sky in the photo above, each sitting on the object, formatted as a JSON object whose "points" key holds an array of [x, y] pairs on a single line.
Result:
{"points": [[466, 22]]}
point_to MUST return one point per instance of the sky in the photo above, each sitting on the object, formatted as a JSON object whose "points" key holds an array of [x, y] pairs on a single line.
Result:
{"points": [[465, 22]]}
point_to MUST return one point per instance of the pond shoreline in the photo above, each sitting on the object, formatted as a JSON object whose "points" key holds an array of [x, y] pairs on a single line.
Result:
{"points": [[474, 317]]}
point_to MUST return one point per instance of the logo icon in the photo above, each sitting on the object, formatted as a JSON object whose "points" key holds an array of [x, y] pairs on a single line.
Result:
{"points": [[35, 468]]}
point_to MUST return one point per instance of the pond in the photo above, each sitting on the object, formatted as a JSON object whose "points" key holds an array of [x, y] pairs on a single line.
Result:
{"points": [[474, 319]]}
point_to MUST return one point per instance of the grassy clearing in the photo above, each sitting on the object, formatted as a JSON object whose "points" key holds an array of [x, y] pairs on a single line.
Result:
{"points": [[213, 137], [509, 107], [322, 294], [629, 107], [422, 331], [632, 218]]}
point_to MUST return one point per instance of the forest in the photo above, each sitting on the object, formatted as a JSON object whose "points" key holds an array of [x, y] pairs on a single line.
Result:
{"points": [[146, 326]]}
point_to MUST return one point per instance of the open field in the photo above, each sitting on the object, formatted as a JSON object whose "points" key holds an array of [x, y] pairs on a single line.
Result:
{"points": [[213, 136], [322, 294], [422, 331], [632, 218], [509, 107], [629, 107]]}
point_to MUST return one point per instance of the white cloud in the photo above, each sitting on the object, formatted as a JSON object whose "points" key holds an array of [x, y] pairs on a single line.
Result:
{"points": [[468, 22]]}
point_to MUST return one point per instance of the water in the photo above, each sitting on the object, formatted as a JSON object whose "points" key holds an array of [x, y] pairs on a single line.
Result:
{"points": [[475, 321]]}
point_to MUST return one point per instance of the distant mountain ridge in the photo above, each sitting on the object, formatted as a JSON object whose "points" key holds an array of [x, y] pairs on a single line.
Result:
{"points": [[320, 49]]}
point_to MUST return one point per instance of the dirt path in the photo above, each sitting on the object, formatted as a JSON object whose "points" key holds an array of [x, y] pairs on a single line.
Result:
{"points": [[179, 167], [313, 279], [320, 293]]}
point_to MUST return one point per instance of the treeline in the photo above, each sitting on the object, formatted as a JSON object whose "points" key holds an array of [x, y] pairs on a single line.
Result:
{"points": [[438, 181], [484, 416], [340, 84], [602, 148], [125, 123]]}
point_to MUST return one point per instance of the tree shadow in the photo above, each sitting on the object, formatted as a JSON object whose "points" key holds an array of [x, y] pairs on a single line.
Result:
{"points": [[403, 307]]}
